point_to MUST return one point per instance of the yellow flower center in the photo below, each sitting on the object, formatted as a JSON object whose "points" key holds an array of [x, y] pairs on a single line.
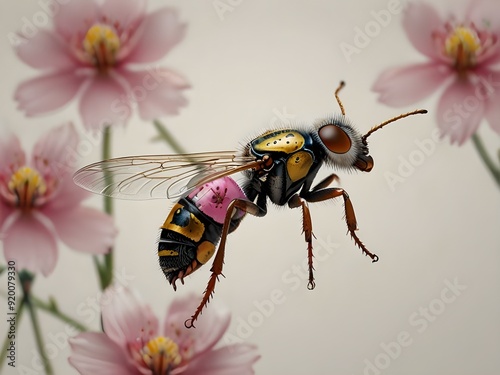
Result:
{"points": [[101, 44], [160, 355], [463, 45], [27, 185]]}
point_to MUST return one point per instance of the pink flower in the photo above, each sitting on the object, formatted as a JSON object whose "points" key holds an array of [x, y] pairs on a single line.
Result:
{"points": [[39, 203], [94, 50], [133, 344], [461, 54]]}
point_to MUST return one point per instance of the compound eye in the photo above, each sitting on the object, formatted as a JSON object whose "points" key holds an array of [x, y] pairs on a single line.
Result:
{"points": [[335, 139]]}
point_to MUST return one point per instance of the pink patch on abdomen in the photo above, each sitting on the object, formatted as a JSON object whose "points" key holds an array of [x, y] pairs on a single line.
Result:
{"points": [[213, 198]]}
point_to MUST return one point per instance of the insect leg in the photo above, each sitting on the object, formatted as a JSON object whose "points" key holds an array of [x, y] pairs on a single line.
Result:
{"points": [[326, 182], [350, 217], [216, 270], [294, 202]]}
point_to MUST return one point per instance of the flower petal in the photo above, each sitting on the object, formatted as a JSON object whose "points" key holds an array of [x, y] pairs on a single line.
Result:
{"points": [[54, 153], [229, 360], [75, 17], [460, 111], [157, 92], [84, 229], [45, 50], [484, 13], [55, 156], [94, 353], [29, 242], [5, 212], [125, 13], [125, 318], [158, 33], [420, 21], [47, 92], [209, 330], [67, 196], [12, 156], [399, 87], [104, 103]]}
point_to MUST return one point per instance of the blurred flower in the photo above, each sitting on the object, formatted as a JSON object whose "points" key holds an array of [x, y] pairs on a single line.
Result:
{"points": [[39, 203], [461, 54], [93, 51], [133, 344]]}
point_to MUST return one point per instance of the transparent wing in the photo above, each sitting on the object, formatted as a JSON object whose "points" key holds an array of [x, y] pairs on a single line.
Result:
{"points": [[159, 176]]}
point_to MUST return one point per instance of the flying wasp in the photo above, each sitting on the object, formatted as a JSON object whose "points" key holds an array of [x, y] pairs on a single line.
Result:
{"points": [[279, 165]]}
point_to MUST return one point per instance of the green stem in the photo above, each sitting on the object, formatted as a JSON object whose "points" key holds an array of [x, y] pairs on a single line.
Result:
{"points": [[107, 276], [105, 269], [26, 283], [167, 137], [7, 340], [494, 170], [106, 154], [53, 309], [100, 271]]}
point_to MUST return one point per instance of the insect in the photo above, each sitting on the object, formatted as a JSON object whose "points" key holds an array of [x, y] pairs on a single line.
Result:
{"points": [[279, 165]]}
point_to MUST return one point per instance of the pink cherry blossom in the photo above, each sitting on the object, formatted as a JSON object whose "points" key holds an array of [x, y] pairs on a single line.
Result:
{"points": [[95, 51], [462, 53], [39, 203], [134, 344]]}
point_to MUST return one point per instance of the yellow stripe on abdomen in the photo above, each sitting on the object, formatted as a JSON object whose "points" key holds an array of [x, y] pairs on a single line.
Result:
{"points": [[182, 221]]}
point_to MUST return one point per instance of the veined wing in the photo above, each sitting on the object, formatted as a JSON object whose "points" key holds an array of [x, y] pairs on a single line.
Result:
{"points": [[159, 176]]}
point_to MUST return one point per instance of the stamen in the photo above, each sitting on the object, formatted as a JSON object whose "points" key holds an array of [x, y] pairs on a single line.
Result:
{"points": [[463, 46], [101, 44], [27, 185], [160, 355]]}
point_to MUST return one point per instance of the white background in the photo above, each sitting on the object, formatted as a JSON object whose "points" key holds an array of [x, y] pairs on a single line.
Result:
{"points": [[439, 226]]}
